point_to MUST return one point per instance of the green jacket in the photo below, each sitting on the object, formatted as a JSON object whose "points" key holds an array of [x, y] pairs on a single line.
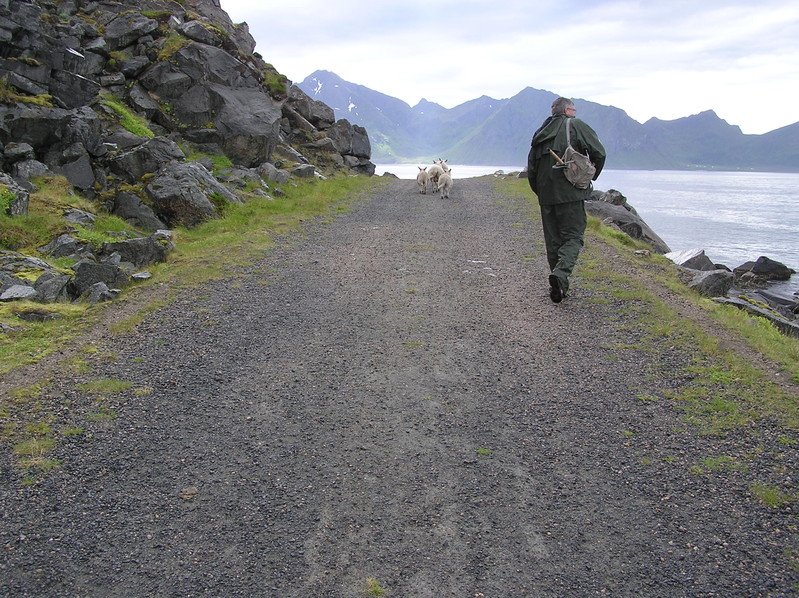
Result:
{"points": [[549, 184]]}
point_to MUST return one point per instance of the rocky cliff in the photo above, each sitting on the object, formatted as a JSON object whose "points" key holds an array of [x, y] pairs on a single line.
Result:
{"points": [[115, 95], [157, 111]]}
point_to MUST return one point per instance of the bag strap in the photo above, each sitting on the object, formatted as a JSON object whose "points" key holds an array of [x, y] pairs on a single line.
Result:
{"points": [[568, 137], [568, 131]]}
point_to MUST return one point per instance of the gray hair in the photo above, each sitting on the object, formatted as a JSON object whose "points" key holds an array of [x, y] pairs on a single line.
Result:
{"points": [[559, 106]]}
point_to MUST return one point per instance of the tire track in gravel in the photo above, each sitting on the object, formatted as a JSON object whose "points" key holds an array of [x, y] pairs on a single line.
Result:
{"points": [[392, 397]]}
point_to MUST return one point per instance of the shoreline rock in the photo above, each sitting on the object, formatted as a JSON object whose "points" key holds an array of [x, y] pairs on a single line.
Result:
{"points": [[746, 286]]}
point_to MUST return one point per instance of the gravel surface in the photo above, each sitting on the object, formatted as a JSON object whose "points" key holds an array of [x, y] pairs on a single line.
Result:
{"points": [[393, 397]]}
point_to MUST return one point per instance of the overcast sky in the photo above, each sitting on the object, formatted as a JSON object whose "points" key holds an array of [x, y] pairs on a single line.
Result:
{"points": [[662, 59]]}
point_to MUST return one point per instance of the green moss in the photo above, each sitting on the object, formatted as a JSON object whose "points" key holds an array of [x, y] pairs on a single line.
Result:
{"points": [[129, 121], [157, 15], [275, 83], [220, 162], [172, 44], [105, 386], [219, 202], [9, 95], [28, 61]]}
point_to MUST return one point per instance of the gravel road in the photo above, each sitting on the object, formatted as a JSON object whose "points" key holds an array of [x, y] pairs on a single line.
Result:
{"points": [[392, 399]]}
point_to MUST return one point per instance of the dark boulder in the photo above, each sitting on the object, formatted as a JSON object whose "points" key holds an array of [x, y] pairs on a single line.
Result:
{"points": [[712, 283], [126, 28], [181, 194], [53, 287], [249, 123], [200, 31], [361, 147], [133, 210], [317, 113], [146, 158], [694, 259], [762, 270], [141, 251], [88, 273], [66, 246]]}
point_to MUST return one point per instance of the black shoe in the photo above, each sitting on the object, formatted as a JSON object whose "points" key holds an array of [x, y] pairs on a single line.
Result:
{"points": [[555, 291]]}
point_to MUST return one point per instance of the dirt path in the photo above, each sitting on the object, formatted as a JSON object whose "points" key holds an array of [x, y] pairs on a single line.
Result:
{"points": [[392, 398]]}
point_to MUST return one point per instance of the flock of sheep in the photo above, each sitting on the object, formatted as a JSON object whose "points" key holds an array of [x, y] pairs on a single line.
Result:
{"points": [[438, 175]]}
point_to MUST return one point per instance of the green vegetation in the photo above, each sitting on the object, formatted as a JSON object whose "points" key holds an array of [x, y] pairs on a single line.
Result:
{"points": [[174, 43], [9, 95], [44, 220], [7, 197], [101, 231], [771, 496], [372, 587], [275, 83], [157, 15], [220, 162], [104, 386], [131, 122]]}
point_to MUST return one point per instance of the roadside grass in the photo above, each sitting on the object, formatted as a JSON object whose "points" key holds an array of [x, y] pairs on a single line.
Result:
{"points": [[372, 587], [221, 247], [724, 391], [216, 249]]}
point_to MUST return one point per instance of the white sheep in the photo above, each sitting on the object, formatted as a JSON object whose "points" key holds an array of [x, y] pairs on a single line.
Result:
{"points": [[422, 179], [445, 183], [434, 172], [443, 164]]}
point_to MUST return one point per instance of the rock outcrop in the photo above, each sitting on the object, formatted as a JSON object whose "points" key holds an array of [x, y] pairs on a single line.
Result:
{"points": [[79, 73], [612, 209]]}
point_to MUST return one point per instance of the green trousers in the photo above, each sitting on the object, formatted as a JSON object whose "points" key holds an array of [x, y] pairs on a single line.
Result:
{"points": [[564, 229]]}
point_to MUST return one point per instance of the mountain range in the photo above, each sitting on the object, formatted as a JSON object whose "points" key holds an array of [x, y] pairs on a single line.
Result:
{"points": [[488, 131]]}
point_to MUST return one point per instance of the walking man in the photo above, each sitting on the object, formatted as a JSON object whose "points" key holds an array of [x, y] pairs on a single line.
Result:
{"points": [[562, 204]]}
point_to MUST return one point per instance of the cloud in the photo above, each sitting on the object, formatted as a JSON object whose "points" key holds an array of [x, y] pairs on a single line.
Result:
{"points": [[666, 60]]}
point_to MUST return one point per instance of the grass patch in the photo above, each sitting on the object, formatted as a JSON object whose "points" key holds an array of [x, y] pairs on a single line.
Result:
{"points": [[173, 43], [250, 229], [220, 162], [9, 95], [771, 496], [372, 587], [720, 463], [105, 386], [44, 220], [131, 122], [28, 342], [7, 197]]}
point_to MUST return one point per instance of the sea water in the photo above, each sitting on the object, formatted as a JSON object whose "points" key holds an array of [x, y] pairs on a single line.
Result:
{"points": [[735, 217]]}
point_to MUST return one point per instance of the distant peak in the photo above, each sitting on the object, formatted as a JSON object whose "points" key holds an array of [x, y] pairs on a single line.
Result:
{"points": [[425, 102]]}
